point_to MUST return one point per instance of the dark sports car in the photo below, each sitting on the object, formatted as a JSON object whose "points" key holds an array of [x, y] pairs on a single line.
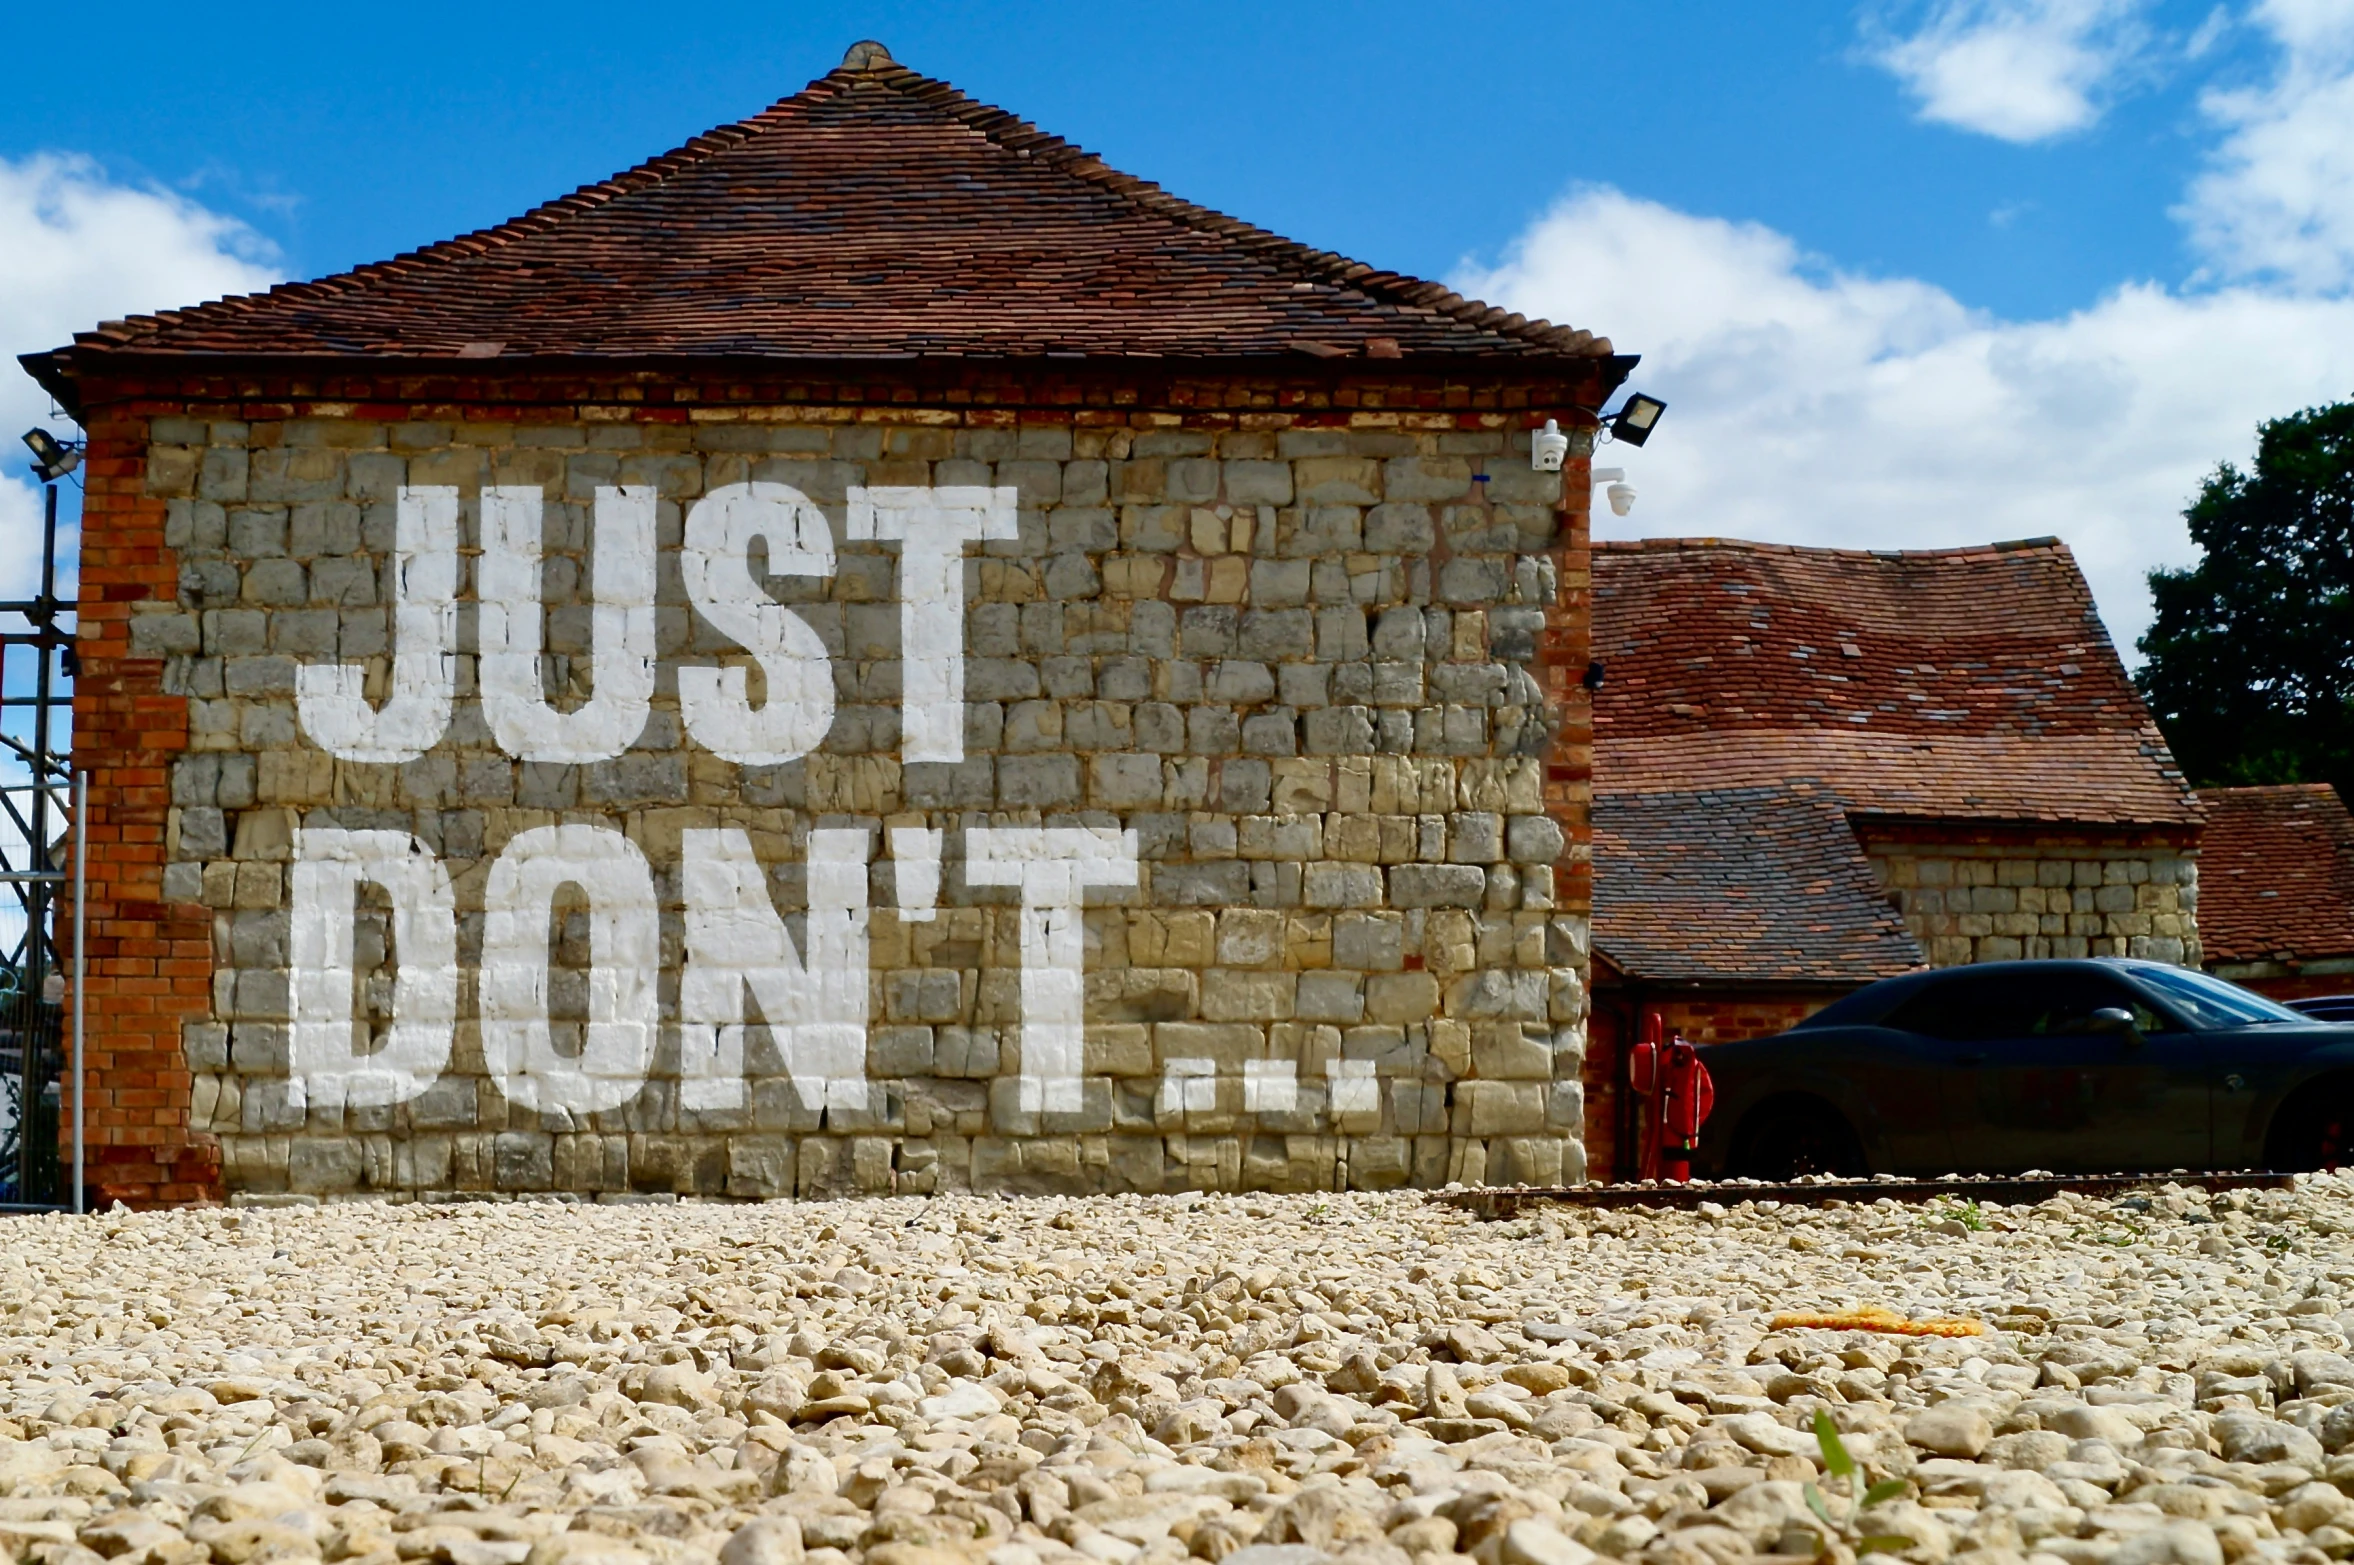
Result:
{"points": [[2325, 1007], [2103, 1066]]}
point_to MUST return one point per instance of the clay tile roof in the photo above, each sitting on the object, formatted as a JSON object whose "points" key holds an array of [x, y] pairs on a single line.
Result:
{"points": [[2276, 874], [1956, 683], [875, 214], [1749, 884]]}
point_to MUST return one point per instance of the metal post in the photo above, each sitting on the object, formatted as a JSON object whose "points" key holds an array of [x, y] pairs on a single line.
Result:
{"points": [[38, 903], [81, 965]]}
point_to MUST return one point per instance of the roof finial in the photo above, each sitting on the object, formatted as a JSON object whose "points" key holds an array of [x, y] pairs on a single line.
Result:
{"points": [[867, 55]]}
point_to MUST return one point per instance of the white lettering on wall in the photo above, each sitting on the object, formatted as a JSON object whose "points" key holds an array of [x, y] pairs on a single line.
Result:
{"points": [[739, 951], [816, 1011], [326, 1066], [1355, 1089], [933, 526], [423, 583], [1270, 1086], [625, 953], [1054, 867], [621, 628], [915, 863], [1189, 1086], [716, 568]]}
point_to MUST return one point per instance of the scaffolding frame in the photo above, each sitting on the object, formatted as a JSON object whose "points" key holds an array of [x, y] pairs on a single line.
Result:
{"points": [[46, 806]]}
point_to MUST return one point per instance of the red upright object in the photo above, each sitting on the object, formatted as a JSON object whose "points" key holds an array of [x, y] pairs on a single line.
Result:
{"points": [[1676, 1095]]}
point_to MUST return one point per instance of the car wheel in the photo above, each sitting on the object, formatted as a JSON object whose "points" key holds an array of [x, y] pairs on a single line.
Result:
{"points": [[2313, 1131], [1783, 1140]]}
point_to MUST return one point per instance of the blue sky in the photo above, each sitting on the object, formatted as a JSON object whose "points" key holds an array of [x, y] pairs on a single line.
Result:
{"points": [[1910, 275], [1360, 128]]}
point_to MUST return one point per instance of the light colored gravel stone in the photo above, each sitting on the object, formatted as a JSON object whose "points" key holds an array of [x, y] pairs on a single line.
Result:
{"points": [[1132, 1381]]}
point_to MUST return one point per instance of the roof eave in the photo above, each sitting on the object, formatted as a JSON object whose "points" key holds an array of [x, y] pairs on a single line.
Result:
{"points": [[1634, 975], [58, 370]]}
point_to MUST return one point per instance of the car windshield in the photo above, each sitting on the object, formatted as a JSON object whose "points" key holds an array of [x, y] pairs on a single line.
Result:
{"points": [[2211, 1003]]}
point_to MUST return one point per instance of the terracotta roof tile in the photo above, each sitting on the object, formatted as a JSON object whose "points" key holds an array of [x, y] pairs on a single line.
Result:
{"points": [[1972, 683], [876, 214], [2276, 874], [1742, 885]]}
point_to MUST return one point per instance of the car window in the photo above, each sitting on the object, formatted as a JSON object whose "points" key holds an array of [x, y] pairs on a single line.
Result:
{"points": [[1965, 1007], [2211, 1003], [1978, 1007], [2062, 1003]]}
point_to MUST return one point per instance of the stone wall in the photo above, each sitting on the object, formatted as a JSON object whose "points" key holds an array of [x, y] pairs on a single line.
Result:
{"points": [[2001, 900], [1297, 657]]}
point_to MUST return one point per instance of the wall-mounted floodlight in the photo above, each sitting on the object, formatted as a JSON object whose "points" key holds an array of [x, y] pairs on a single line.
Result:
{"points": [[52, 457], [1633, 422]]}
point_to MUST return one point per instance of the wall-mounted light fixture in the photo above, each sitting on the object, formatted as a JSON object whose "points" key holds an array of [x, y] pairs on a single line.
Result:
{"points": [[1548, 448], [1633, 422], [52, 457]]}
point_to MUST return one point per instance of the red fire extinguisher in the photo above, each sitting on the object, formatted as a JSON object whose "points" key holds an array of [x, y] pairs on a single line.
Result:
{"points": [[1676, 1096]]}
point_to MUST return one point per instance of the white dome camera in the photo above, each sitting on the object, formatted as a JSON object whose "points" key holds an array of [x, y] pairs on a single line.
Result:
{"points": [[1620, 493]]}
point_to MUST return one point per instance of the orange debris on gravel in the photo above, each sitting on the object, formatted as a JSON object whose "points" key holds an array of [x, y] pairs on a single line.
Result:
{"points": [[1874, 1318]]}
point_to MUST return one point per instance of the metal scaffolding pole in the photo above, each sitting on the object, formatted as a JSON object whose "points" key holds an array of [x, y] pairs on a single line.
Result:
{"points": [[81, 966]]}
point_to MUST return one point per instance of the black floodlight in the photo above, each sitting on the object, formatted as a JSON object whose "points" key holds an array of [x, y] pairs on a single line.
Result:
{"points": [[52, 457], [1633, 422]]}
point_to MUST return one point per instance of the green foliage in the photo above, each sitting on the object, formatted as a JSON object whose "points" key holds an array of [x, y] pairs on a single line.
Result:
{"points": [[1969, 1214], [1845, 1523], [2250, 668], [1835, 1457]]}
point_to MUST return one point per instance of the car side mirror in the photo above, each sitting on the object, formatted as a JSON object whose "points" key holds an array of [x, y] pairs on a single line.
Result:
{"points": [[2116, 1020]]}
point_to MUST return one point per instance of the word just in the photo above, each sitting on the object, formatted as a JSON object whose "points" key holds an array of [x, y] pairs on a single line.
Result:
{"points": [[815, 1003]]}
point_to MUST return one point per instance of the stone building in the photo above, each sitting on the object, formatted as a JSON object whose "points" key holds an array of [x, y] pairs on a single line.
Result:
{"points": [[1815, 768], [2276, 881], [870, 652]]}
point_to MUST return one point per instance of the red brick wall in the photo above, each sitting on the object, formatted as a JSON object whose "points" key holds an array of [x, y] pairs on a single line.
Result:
{"points": [[149, 964], [1721, 1016], [1566, 650]]}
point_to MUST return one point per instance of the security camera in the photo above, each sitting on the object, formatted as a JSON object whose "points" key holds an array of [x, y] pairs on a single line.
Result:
{"points": [[1548, 447], [1621, 493]]}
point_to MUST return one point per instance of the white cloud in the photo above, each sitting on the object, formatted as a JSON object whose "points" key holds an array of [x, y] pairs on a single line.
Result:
{"points": [[76, 248], [1810, 406], [2278, 201], [2020, 70]]}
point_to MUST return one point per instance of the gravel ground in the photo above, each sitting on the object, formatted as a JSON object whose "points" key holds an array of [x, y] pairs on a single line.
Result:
{"points": [[1258, 1380]]}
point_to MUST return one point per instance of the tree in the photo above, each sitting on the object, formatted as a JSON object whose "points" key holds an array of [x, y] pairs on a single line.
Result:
{"points": [[2250, 668]]}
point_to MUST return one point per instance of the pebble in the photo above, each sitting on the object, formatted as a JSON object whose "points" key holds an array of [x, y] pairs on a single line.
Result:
{"points": [[1241, 1380]]}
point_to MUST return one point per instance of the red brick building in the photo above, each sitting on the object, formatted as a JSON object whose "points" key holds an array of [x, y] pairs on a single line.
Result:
{"points": [[2276, 889], [1818, 767]]}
